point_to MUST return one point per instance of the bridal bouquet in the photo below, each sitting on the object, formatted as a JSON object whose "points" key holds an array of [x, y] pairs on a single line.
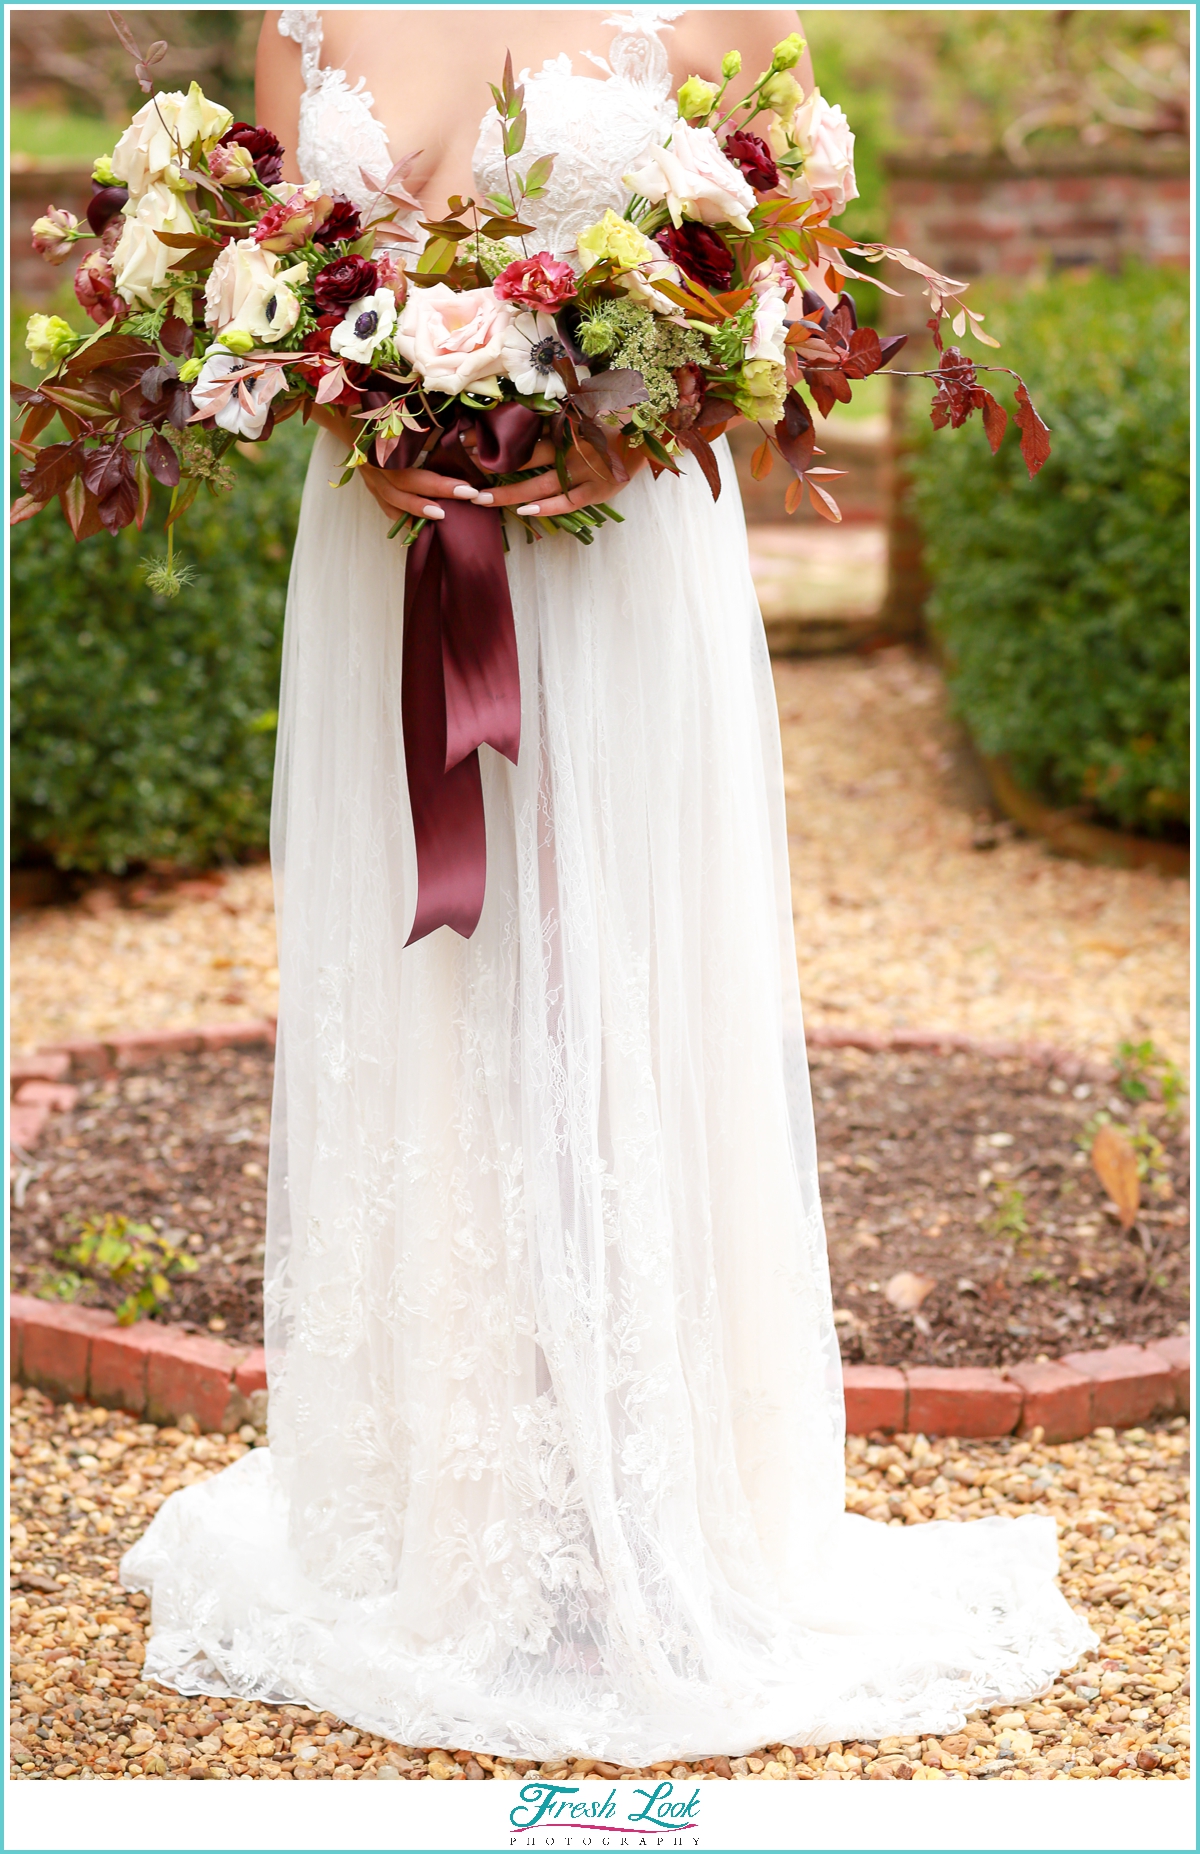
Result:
{"points": [[228, 299]]}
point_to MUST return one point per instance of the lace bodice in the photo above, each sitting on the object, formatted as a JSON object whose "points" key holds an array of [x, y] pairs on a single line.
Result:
{"points": [[339, 135], [597, 128]]}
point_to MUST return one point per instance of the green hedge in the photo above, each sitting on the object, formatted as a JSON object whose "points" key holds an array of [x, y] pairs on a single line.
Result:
{"points": [[1062, 603], [143, 728]]}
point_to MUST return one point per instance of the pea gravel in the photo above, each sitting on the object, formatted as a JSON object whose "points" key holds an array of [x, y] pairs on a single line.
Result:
{"points": [[86, 1481]]}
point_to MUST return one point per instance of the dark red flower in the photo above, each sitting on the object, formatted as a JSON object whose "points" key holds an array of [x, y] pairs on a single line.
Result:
{"points": [[699, 252], [343, 282], [105, 204], [341, 225], [751, 154], [264, 149]]}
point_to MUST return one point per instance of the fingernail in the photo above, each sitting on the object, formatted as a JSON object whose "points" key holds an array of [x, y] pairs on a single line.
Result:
{"points": [[434, 512], [485, 496], [530, 508], [465, 493]]}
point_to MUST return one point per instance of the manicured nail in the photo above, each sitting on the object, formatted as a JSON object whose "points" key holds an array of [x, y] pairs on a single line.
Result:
{"points": [[485, 498], [465, 493], [530, 508], [434, 512]]}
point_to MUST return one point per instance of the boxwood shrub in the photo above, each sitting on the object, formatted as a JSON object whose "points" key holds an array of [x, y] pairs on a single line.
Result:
{"points": [[143, 729], [1062, 604]]}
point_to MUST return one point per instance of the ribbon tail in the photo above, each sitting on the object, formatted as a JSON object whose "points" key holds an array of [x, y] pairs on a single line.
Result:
{"points": [[447, 806], [479, 641]]}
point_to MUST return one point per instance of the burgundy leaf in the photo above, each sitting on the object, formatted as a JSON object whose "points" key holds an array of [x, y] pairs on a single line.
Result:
{"points": [[176, 337], [24, 509], [794, 434], [55, 467], [106, 468], [612, 391], [120, 508], [163, 460]]}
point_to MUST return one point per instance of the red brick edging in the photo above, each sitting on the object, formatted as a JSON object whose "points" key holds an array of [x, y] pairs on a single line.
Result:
{"points": [[156, 1371], [42, 1084], [77, 1353]]}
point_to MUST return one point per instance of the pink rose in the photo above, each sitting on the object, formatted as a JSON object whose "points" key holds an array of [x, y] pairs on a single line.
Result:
{"points": [[454, 338], [825, 139], [539, 282], [695, 179]]}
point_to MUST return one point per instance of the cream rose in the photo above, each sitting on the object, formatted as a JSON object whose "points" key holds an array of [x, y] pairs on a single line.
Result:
{"points": [[246, 292], [695, 179], [167, 125], [141, 261], [825, 139], [453, 338]]}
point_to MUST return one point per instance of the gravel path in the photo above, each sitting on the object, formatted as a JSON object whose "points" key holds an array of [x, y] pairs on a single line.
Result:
{"points": [[900, 922], [86, 1482]]}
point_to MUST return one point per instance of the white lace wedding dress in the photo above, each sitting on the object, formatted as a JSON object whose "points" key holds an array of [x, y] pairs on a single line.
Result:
{"points": [[556, 1416]]}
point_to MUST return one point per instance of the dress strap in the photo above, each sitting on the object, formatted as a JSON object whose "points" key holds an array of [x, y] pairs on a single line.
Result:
{"points": [[303, 24]]}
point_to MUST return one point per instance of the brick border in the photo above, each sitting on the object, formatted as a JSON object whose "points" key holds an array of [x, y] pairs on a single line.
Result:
{"points": [[156, 1371], [165, 1375], [42, 1084]]}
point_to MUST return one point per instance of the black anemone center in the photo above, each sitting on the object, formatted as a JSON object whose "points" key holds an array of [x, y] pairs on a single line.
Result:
{"points": [[366, 324], [545, 352], [271, 308]]}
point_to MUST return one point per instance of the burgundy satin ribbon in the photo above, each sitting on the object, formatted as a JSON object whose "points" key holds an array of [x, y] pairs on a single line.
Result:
{"points": [[460, 686]]}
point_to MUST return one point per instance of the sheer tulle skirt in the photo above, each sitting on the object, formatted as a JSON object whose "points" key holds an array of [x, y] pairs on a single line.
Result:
{"points": [[556, 1420]]}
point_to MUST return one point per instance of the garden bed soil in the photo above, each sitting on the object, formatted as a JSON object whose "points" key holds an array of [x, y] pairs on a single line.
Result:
{"points": [[930, 1165]]}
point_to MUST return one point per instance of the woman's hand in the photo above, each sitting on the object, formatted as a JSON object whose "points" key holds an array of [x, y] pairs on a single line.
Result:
{"points": [[590, 475], [400, 492]]}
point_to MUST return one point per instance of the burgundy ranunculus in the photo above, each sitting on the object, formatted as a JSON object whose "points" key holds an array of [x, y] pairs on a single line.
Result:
{"points": [[343, 282], [341, 225], [264, 149], [105, 204], [751, 154], [699, 252]]}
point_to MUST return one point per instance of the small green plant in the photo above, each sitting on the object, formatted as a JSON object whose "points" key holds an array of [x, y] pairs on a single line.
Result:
{"points": [[1008, 1219], [67, 1286], [1153, 1170], [1140, 1066], [134, 1256]]}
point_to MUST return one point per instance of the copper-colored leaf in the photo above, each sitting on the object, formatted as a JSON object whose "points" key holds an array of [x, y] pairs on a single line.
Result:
{"points": [[822, 501], [906, 1292], [1115, 1163], [793, 495], [760, 463], [1035, 436]]}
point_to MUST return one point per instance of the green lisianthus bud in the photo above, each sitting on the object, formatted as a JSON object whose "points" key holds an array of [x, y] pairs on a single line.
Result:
{"points": [[237, 340], [787, 52], [190, 370], [781, 93], [731, 64], [49, 340], [102, 172], [696, 98]]}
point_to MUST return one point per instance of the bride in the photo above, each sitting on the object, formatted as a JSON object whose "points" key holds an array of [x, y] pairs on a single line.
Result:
{"points": [[556, 1415]]}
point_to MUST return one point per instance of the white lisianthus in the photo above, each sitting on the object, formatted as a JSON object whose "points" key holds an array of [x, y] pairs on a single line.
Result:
{"points": [[454, 338], [824, 137], [239, 405], [247, 292], [365, 324], [695, 179], [162, 132], [770, 282], [141, 261]]}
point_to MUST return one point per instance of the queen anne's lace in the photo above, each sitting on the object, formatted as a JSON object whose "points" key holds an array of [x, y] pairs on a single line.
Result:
{"points": [[556, 1417]]}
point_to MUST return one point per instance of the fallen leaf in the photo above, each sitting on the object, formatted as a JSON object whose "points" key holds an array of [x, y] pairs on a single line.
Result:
{"points": [[907, 1292], [1115, 1163]]}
